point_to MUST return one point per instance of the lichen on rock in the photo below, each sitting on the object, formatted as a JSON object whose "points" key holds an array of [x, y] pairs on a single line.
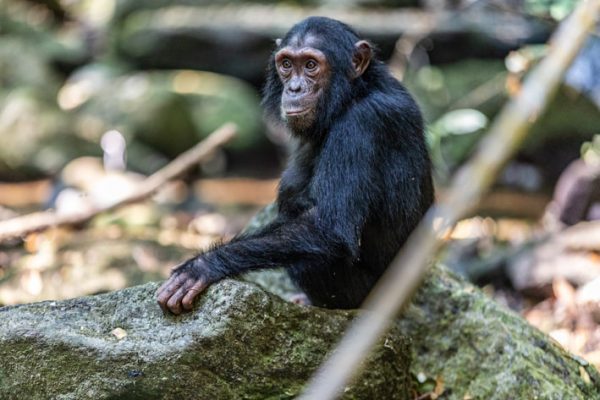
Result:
{"points": [[239, 343]]}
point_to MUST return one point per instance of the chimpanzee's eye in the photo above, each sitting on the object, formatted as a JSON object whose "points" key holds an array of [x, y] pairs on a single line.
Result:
{"points": [[286, 64], [311, 65]]}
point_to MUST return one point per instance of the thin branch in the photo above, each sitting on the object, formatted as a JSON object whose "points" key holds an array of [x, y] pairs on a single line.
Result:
{"points": [[275, 20], [6, 213], [403, 277], [25, 224]]}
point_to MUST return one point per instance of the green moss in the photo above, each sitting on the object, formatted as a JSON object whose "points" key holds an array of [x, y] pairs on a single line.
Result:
{"points": [[240, 342], [480, 349], [474, 345]]}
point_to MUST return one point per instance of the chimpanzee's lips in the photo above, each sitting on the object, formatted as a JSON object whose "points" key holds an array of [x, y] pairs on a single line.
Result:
{"points": [[295, 113]]}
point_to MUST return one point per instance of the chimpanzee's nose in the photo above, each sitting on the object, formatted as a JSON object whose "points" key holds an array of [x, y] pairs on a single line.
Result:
{"points": [[295, 86]]}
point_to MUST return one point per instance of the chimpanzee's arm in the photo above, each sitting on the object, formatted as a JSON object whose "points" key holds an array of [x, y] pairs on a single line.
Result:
{"points": [[342, 188]]}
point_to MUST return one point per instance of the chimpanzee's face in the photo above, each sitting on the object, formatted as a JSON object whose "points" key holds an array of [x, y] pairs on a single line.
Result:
{"points": [[305, 74]]}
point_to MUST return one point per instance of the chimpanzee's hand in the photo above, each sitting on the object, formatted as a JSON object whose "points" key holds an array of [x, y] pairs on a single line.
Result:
{"points": [[187, 281]]}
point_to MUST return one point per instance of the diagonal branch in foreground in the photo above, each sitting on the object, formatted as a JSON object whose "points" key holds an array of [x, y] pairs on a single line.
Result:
{"points": [[23, 225], [403, 277]]}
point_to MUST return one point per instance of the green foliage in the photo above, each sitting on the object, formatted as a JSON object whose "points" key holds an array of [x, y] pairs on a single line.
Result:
{"points": [[590, 151], [477, 84], [452, 137], [169, 111], [556, 9]]}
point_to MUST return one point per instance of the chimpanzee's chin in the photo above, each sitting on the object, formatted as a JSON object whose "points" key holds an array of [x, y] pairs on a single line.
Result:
{"points": [[299, 123], [299, 132]]}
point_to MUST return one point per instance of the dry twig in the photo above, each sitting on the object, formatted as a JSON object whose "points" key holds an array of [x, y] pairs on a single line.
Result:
{"points": [[19, 226], [275, 20]]}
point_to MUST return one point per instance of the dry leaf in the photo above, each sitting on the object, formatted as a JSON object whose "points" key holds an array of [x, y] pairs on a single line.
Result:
{"points": [[439, 388], [584, 375], [563, 291], [119, 333]]}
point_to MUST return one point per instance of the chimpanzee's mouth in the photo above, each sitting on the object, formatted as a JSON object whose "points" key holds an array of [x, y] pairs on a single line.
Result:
{"points": [[295, 113]]}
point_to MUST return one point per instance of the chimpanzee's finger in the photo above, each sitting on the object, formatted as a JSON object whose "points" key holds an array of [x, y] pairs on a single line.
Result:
{"points": [[166, 291], [171, 284], [188, 300], [174, 303]]}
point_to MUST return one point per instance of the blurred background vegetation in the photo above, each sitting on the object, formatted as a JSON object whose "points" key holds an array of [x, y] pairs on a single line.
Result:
{"points": [[96, 94]]}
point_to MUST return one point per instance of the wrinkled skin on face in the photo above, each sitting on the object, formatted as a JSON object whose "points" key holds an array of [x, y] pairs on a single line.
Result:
{"points": [[304, 72]]}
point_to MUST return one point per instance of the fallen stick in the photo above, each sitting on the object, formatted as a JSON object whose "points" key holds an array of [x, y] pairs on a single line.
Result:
{"points": [[6, 213], [23, 225], [271, 21]]}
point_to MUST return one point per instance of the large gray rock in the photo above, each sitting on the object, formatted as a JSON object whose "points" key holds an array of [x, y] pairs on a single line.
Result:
{"points": [[467, 346], [239, 343], [42, 133], [169, 111], [481, 350], [470, 347]]}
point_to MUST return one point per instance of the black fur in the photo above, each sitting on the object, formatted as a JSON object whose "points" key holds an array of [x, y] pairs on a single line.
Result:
{"points": [[354, 189]]}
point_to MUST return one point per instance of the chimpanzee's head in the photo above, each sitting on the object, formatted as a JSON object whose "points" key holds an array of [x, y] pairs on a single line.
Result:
{"points": [[314, 73]]}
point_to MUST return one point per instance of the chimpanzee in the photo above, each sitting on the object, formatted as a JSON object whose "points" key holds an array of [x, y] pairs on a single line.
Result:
{"points": [[357, 183]]}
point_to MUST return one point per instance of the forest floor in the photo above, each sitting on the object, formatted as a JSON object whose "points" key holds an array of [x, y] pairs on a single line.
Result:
{"points": [[141, 242]]}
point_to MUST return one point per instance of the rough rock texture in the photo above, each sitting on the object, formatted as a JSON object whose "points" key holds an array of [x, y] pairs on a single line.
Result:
{"points": [[239, 343], [483, 351], [243, 343], [470, 345], [476, 348]]}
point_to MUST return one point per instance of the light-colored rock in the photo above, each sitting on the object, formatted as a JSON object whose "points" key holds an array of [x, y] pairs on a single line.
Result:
{"points": [[239, 343]]}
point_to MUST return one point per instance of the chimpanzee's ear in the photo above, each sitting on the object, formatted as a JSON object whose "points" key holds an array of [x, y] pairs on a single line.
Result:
{"points": [[362, 57], [278, 42]]}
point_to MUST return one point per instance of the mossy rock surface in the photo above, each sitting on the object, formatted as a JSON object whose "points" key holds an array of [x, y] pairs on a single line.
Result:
{"points": [[475, 347], [480, 350], [470, 345], [239, 343]]}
